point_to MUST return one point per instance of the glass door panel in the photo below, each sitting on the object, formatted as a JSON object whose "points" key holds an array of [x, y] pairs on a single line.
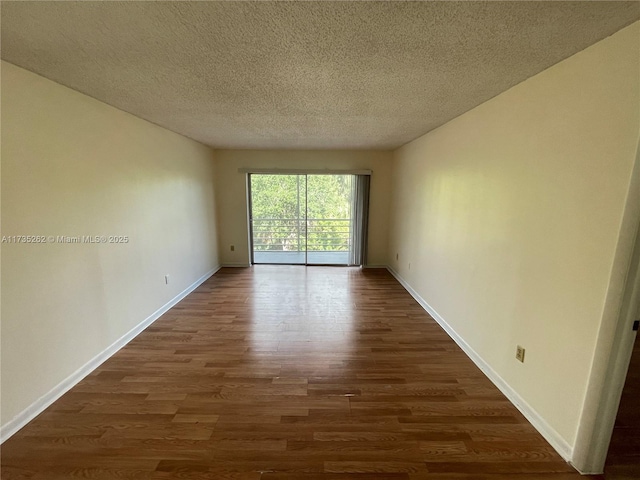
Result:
{"points": [[278, 218], [329, 207]]}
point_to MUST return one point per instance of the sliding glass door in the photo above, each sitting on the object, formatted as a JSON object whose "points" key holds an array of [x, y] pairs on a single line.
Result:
{"points": [[306, 219]]}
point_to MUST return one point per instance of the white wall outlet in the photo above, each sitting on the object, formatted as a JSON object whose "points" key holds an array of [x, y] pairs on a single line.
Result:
{"points": [[520, 353], [166, 279]]}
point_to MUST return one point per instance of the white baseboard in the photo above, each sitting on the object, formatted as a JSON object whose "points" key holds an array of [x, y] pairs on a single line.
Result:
{"points": [[375, 266], [236, 265], [557, 442], [37, 407]]}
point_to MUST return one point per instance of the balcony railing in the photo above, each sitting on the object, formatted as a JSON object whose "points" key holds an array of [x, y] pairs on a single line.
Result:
{"points": [[297, 235]]}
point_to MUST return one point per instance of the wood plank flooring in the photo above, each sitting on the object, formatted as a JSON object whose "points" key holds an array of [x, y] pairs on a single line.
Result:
{"points": [[286, 373]]}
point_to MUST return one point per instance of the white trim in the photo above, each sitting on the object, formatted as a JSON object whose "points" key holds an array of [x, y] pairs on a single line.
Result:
{"points": [[303, 171], [557, 442], [617, 369], [615, 342], [375, 266], [236, 265], [37, 407]]}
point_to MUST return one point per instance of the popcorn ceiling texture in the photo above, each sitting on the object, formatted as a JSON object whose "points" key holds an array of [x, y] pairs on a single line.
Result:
{"points": [[300, 74]]}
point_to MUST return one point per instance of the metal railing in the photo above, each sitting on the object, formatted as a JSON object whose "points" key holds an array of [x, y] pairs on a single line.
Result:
{"points": [[299, 234]]}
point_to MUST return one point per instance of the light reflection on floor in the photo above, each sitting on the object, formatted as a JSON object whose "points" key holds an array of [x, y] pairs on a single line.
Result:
{"points": [[312, 315]]}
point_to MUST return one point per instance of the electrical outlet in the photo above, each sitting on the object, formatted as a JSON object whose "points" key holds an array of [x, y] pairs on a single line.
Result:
{"points": [[520, 353], [232, 248], [166, 279]]}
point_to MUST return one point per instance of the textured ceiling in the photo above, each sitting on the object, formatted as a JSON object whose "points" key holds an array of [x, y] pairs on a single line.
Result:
{"points": [[300, 74]]}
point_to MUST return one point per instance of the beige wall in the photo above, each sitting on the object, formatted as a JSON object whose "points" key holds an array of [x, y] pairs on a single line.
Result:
{"points": [[74, 166], [232, 193], [506, 220]]}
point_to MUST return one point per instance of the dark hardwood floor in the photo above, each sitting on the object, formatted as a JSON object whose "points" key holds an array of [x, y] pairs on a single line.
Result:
{"points": [[286, 373]]}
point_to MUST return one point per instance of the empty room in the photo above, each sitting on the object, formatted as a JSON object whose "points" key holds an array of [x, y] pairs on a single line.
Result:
{"points": [[316, 240]]}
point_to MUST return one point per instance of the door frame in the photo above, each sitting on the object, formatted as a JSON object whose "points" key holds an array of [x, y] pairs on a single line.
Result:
{"points": [[617, 368], [306, 174], [615, 343]]}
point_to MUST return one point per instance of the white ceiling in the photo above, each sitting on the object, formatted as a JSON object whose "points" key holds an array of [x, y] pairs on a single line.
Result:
{"points": [[300, 74]]}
